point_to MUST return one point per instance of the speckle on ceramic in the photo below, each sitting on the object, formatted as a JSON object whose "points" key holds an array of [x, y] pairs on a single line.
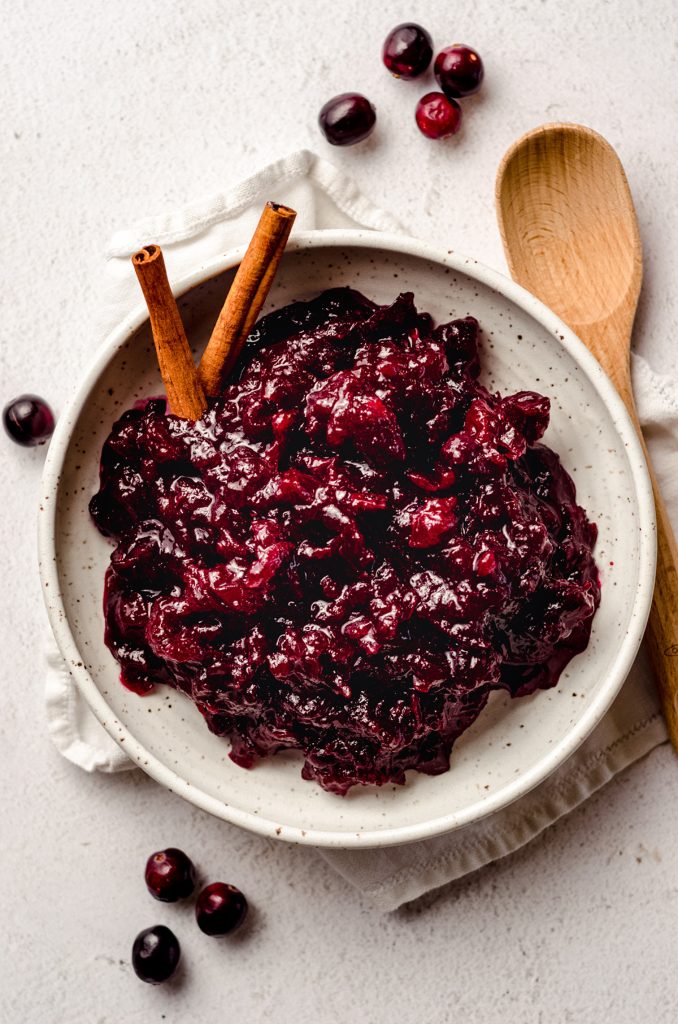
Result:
{"points": [[514, 745]]}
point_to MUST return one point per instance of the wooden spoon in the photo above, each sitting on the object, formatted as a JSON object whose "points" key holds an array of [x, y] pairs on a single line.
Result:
{"points": [[571, 238]]}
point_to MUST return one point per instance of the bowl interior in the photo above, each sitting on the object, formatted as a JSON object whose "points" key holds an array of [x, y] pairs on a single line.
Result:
{"points": [[515, 742]]}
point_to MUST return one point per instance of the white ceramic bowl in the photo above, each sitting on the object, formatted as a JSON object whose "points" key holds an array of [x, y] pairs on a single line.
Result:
{"points": [[515, 743]]}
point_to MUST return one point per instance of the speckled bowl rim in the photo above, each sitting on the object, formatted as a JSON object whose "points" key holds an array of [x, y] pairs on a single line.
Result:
{"points": [[527, 780]]}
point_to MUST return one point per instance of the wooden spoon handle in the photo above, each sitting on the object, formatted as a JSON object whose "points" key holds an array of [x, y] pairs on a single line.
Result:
{"points": [[662, 631], [662, 628]]}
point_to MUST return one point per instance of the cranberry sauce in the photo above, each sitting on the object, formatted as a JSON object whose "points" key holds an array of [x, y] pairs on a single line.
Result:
{"points": [[352, 548]]}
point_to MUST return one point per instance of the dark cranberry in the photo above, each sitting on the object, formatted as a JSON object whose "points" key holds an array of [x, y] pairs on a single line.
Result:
{"points": [[407, 50], [347, 119], [220, 909], [459, 71], [170, 875], [437, 117], [155, 954], [28, 420]]}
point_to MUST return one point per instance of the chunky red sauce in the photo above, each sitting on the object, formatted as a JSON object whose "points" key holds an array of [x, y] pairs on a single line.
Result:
{"points": [[355, 545]]}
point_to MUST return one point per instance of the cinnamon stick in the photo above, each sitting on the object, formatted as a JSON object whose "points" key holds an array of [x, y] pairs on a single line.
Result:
{"points": [[185, 396], [246, 297]]}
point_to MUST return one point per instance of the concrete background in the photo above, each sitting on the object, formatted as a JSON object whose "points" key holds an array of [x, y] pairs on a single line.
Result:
{"points": [[111, 112]]}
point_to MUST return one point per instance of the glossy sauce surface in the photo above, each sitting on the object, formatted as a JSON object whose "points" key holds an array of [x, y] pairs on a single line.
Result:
{"points": [[353, 547]]}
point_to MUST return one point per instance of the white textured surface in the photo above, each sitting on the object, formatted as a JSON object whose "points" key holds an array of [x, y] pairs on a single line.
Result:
{"points": [[109, 114]]}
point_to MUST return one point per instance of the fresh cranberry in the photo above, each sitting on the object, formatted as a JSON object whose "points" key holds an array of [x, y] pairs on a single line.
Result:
{"points": [[220, 909], [347, 119], [407, 50], [28, 420], [437, 116], [459, 71], [170, 875], [155, 954]]}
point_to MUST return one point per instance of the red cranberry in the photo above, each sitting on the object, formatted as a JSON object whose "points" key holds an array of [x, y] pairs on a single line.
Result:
{"points": [[437, 116], [155, 954], [170, 875], [28, 420], [459, 71], [407, 50], [220, 909], [347, 119]]}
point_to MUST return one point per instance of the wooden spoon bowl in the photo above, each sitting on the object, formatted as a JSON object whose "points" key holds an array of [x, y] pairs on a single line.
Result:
{"points": [[571, 237]]}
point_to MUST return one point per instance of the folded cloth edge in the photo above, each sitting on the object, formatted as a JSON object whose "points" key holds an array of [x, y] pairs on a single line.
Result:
{"points": [[191, 220], [529, 817], [62, 700]]}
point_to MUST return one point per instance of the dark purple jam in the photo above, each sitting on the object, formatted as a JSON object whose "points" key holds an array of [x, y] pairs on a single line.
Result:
{"points": [[355, 545]]}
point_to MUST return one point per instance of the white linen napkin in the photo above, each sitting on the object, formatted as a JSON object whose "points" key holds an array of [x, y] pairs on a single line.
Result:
{"points": [[326, 198]]}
